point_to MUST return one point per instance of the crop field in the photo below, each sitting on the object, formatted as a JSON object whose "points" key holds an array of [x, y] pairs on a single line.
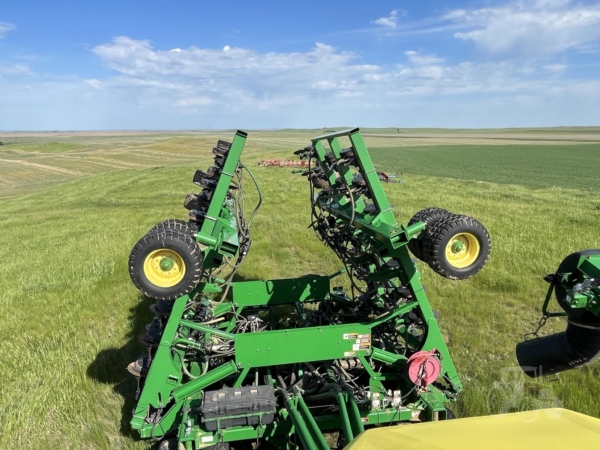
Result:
{"points": [[567, 165], [72, 205]]}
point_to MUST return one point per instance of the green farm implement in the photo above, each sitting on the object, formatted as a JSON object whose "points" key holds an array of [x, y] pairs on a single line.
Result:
{"points": [[576, 287], [302, 362]]}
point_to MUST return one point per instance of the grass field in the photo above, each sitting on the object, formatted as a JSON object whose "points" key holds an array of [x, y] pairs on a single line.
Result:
{"points": [[567, 165], [71, 317]]}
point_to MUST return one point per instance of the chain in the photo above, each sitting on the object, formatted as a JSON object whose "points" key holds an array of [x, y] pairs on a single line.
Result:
{"points": [[541, 323]]}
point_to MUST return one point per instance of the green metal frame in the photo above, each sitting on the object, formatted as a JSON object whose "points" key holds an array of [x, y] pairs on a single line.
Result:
{"points": [[172, 393], [219, 230]]}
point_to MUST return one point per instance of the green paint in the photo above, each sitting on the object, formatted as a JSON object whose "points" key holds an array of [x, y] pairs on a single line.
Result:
{"points": [[244, 340], [166, 264], [457, 247]]}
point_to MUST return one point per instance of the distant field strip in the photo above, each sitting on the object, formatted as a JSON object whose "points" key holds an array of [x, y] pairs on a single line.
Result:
{"points": [[30, 163], [528, 138], [569, 165], [27, 167]]}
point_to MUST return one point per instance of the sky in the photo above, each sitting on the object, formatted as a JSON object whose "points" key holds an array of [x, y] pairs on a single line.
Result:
{"points": [[195, 64]]}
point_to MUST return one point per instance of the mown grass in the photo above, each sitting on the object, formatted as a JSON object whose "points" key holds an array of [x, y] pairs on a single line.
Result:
{"points": [[45, 147], [567, 165], [70, 315]]}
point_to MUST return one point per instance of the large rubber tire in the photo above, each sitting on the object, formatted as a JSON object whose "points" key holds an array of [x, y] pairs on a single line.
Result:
{"points": [[149, 276], [444, 258], [190, 228], [429, 216]]}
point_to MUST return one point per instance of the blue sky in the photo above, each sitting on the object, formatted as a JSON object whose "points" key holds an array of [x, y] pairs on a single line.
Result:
{"points": [[184, 64]]}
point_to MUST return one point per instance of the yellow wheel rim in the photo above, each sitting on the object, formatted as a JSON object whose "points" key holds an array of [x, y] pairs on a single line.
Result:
{"points": [[164, 268], [462, 250]]}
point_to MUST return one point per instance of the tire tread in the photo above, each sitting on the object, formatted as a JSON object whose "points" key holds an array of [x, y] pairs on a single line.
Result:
{"points": [[185, 245], [434, 245]]}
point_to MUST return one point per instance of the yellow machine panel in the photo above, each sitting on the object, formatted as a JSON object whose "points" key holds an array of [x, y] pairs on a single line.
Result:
{"points": [[544, 429]]}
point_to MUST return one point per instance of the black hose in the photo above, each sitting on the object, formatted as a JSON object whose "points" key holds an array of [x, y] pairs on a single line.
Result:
{"points": [[321, 398], [577, 346], [281, 382]]}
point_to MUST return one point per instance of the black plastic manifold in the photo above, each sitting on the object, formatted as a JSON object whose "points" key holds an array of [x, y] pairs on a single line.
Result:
{"points": [[249, 405]]}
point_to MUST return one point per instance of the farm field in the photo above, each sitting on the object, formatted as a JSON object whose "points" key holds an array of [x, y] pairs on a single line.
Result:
{"points": [[72, 205], [569, 165]]}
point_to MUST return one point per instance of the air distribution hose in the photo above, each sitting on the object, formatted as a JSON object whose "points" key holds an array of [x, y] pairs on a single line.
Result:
{"points": [[577, 346]]}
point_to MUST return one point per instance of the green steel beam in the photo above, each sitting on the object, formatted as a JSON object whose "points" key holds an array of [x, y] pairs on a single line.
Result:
{"points": [[299, 345], [279, 292]]}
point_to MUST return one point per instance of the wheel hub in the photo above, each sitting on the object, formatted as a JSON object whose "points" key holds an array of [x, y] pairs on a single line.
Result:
{"points": [[457, 247], [164, 268], [462, 250], [166, 264]]}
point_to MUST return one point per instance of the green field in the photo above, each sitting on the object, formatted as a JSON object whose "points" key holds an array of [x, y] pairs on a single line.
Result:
{"points": [[567, 165], [71, 317]]}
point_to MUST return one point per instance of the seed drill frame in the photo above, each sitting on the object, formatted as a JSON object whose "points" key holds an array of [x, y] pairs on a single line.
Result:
{"points": [[285, 361]]}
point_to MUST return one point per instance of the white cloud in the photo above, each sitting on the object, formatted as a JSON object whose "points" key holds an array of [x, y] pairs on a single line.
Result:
{"points": [[14, 69], [554, 67], [234, 77], [96, 84], [530, 27], [241, 79], [423, 60], [5, 28], [194, 101], [211, 88], [388, 22]]}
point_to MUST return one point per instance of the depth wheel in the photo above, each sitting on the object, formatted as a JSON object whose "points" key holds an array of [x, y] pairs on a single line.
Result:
{"points": [[166, 264], [184, 226], [429, 216], [456, 246]]}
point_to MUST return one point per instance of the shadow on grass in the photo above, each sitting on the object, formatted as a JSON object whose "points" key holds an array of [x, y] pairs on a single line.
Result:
{"points": [[110, 365]]}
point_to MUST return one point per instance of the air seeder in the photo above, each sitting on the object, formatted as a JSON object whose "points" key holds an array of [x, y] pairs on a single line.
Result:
{"points": [[296, 363]]}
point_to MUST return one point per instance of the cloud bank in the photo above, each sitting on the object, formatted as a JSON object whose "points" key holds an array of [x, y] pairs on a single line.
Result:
{"points": [[521, 77], [530, 27]]}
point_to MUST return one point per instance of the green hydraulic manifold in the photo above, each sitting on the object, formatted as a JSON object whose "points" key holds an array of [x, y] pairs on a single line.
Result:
{"points": [[287, 361]]}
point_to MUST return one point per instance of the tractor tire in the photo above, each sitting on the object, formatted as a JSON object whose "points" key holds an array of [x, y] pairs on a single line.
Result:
{"points": [[456, 246], [166, 264], [429, 216], [190, 227]]}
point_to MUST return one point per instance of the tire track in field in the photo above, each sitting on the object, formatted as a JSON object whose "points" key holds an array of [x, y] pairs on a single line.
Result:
{"points": [[119, 164], [42, 166], [93, 162], [164, 156]]}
